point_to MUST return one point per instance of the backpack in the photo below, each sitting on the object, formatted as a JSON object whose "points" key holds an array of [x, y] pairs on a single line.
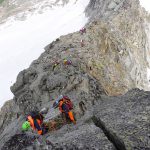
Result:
{"points": [[36, 115], [68, 102], [65, 100]]}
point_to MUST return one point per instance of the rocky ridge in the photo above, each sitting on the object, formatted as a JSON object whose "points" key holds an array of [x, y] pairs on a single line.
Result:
{"points": [[107, 64]]}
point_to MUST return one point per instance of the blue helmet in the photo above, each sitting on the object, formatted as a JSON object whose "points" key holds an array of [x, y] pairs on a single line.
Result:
{"points": [[56, 103]]}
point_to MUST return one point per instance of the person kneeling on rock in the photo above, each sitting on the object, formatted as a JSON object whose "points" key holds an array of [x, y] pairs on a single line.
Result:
{"points": [[65, 106], [35, 121]]}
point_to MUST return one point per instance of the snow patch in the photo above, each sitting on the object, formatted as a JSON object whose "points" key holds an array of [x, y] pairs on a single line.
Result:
{"points": [[145, 4]]}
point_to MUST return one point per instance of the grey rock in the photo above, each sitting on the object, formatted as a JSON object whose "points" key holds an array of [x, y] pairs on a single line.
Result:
{"points": [[112, 5], [126, 118]]}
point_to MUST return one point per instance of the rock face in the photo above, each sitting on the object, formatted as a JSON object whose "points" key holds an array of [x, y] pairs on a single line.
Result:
{"points": [[41, 85], [120, 122], [108, 60], [127, 21], [128, 117]]}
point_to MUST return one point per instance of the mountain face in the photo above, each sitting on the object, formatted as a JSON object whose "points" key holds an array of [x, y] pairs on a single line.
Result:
{"points": [[107, 61], [128, 22]]}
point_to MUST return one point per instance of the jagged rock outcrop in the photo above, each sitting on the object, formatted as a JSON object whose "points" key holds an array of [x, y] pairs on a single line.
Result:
{"points": [[110, 60], [120, 122], [126, 118], [109, 9], [128, 22], [7, 113], [35, 90]]}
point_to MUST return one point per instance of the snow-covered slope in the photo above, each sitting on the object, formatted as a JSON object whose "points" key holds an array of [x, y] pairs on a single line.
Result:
{"points": [[145, 4], [10, 8], [23, 41]]}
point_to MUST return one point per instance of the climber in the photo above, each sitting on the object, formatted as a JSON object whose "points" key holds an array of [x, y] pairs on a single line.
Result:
{"points": [[82, 43], [65, 106], [83, 30], [35, 120], [55, 64], [67, 62]]}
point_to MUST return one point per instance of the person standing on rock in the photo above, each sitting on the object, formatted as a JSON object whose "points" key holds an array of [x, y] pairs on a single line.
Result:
{"points": [[35, 121], [55, 65], [83, 30], [65, 106], [82, 43], [67, 62]]}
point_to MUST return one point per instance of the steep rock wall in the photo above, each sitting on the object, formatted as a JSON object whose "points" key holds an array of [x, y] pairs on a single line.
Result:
{"points": [[128, 20]]}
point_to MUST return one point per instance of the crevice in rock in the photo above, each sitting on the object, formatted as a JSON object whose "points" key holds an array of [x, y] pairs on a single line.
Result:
{"points": [[112, 137], [82, 107]]}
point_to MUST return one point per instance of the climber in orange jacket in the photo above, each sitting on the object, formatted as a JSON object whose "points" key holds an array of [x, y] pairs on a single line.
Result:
{"points": [[35, 121], [65, 107]]}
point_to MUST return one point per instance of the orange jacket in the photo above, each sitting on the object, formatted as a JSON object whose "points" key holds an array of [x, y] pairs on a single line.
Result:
{"points": [[31, 120], [70, 114], [60, 105]]}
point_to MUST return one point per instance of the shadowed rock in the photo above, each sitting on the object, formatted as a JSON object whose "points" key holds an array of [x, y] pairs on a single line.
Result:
{"points": [[125, 117]]}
